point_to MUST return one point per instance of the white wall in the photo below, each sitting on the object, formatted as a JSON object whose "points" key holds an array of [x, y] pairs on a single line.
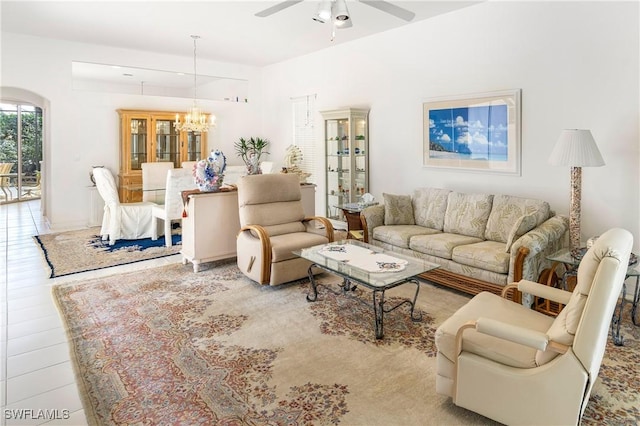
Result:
{"points": [[577, 66], [576, 63], [82, 126]]}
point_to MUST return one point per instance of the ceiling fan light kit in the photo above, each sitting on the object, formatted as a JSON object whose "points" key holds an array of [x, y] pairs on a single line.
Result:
{"points": [[340, 12], [337, 11]]}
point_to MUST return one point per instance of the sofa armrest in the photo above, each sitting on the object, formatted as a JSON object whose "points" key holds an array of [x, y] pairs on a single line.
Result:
{"points": [[542, 241], [371, 217]]}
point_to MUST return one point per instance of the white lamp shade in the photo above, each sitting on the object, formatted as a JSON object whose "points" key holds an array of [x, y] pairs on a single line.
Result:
{"points": [[576, 148]]}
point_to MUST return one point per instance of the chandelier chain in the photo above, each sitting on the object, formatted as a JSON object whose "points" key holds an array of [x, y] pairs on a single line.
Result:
{"points": [[195, 70], [194, 120]]}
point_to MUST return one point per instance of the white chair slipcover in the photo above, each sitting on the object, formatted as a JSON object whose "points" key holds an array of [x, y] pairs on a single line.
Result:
{"points": [[177, 180], [129, 221]]}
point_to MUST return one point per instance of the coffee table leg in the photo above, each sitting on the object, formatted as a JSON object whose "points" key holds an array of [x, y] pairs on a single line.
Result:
{"points": [[314, 288], [413, 305], [378, 313], [347, 285]]}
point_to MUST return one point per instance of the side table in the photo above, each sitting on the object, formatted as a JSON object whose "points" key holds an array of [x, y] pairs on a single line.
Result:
{"points": [[564, 257], [351, 213]]}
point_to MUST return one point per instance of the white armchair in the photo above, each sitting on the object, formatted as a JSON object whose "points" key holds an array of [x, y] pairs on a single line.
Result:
{"points": [[177, 180], [129, 221], [518, 366]]}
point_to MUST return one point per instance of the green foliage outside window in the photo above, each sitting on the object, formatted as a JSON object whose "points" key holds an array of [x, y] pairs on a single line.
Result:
{"points": [[31, 137]]}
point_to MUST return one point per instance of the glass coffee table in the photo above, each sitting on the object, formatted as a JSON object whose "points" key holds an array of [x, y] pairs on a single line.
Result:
{"points": [[372, 267]]}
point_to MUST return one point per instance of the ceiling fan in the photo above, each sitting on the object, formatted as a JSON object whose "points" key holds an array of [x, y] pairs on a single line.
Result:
{"points": [[336, 11]]}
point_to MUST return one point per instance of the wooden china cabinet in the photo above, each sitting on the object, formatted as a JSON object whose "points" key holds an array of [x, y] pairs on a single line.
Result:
{"points": [[149, 136]]}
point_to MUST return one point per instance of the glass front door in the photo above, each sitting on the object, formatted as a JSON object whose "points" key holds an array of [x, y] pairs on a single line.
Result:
{"points": [[20, 152]]}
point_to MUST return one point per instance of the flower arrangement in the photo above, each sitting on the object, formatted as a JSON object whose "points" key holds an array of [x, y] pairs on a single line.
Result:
{"points": [[209, 173]]}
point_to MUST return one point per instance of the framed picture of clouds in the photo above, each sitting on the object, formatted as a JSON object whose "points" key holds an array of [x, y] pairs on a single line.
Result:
{"points": [[479, 132]]}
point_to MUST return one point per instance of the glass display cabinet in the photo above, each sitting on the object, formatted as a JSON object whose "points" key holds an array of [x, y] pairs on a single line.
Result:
{"points": [[149, 136], [346, 133]]}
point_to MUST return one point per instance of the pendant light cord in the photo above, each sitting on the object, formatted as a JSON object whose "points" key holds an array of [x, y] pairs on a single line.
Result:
{"points": [[195, 72]]}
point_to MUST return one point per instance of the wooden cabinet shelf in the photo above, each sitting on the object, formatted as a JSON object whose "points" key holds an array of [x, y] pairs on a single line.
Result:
{"points": [[149, 136]]}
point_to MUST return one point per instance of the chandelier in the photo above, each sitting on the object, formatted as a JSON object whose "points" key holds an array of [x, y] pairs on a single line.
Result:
{"points": [[194, 120]]}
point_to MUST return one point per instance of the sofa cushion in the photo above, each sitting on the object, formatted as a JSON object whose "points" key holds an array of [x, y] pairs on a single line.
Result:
{"points": [[488, 255], [400, 235], [398, 210], [467, 214], [507, 210], [429, 207], [440, 244], [524, 224]]}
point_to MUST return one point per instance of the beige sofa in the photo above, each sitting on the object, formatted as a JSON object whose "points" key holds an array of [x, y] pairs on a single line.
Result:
{"points": [[482, 242]]}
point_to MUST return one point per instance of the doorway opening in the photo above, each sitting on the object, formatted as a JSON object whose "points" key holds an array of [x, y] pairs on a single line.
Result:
{"points": [[21, 148]]}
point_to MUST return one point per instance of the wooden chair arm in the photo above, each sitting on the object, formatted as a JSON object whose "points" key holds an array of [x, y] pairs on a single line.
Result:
{"points": [[327, 225], [265, 243], [509, 291]]}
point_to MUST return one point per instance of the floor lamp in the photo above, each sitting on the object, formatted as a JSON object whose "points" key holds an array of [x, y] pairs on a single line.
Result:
{"points": [[575, 148]]}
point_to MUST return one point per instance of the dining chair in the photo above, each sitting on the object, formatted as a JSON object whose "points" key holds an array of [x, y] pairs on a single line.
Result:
{"points": [[154, 177], [126, 221], [5, 168], [178, 180]]}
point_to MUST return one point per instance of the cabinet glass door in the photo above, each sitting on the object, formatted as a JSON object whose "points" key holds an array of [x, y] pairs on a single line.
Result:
{"points": [[347, 145], [338, 165], [360, 159], [194, 146], [167, 143], [138, 143]]}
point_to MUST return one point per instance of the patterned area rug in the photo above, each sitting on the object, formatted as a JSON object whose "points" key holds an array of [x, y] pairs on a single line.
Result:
{"points": [[167, 346], [83, 250]]}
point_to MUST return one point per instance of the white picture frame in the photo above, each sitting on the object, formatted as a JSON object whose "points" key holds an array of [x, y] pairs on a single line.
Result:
{"points": [[478, 132]]}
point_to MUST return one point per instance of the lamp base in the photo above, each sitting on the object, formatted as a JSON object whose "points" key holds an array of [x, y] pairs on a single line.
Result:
{"points": [[574, 211]]}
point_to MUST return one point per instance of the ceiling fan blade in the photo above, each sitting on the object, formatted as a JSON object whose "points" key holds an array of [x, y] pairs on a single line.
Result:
{"points": [[394, 10], [277, 8]]}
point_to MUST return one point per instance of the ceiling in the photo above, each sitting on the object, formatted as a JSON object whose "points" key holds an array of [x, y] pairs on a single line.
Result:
{"points": [[229, 30]]}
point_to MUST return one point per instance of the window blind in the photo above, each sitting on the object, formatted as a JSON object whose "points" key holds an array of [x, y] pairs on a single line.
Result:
{"points": [[304, 111]]}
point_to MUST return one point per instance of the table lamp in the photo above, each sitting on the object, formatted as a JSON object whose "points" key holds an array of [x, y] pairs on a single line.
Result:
{"points": [[575, 148]]}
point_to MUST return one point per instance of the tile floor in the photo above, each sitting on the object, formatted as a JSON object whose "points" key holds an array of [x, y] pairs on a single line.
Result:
{"points": [[35, 370]]}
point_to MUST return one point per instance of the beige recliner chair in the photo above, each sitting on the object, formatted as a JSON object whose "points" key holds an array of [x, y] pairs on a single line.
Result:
{"points": [[272, 226], [518, 366]]}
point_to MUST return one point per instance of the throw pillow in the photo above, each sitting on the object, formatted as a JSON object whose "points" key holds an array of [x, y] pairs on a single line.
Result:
{"points": [[523, 225], [398, 210]]}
